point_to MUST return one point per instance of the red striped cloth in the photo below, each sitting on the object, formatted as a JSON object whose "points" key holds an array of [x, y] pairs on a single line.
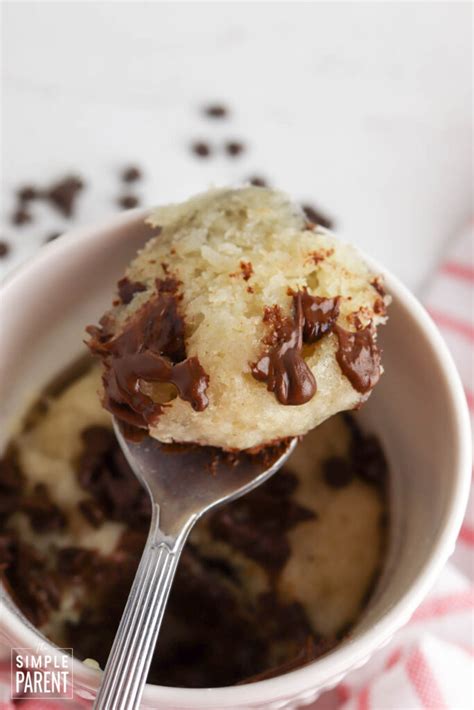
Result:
{"points": [[430, 662]]}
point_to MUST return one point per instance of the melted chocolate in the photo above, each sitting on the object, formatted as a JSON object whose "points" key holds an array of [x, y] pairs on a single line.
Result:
{"points": [[283, 366], [230, 637], [150, 348], [127, 289], [358, 357], [257, 524]]}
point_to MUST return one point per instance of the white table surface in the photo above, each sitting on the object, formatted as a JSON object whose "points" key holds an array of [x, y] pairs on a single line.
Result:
{"points": [[362, 108]]}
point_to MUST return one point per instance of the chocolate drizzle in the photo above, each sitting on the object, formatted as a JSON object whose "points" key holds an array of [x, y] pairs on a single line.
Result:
{"points": [[358, 357], [282, 366], [150, 348]]}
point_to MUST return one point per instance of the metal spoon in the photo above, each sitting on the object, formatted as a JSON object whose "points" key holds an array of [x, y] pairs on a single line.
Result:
{"points": [[184, 482]]}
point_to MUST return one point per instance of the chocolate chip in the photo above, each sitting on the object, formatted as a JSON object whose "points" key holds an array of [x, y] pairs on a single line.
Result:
{"points": [[216, 111], [128, 202], [33, 587], [131, 174], [98, 439], [234, 148], [104, 473], [337, 472], [21, 216], [44, 515], [127, 289], [27, 193], [92, 512], [51, 237], [4, 249], [62, 195], [370, 461], [257, 181], [11, 483], [317, 217], [201, 149]]}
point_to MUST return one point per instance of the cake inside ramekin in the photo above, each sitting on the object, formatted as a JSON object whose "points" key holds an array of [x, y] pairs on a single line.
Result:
{"points": [[265, 584]]}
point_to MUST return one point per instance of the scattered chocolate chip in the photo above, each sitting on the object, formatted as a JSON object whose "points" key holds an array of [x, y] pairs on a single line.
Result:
{"points": [[337, 472], [234, 148], [258, 181], [51, 237], [317, 217], [4, 249], [201, 149], [131, 174], [62, 195], [216, 111], [27, 193], [21, 216], [128, 202]]}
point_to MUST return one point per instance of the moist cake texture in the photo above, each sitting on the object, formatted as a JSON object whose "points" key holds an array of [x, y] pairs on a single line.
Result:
{"points": [[239, 323], [265, 584]]}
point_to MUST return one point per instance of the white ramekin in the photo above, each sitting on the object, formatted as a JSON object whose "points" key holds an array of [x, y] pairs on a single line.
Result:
{"points": [[418, 410]]}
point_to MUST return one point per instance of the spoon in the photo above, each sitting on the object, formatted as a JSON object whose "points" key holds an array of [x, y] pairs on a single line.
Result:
{"points": [[184, 482]]}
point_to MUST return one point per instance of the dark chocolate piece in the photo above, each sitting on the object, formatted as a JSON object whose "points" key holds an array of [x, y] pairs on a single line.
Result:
{"points": [[338, 472], [92, 511], [201, 149], [317, 217], [216, 111], [257, 524], [12, 481], [127, 289], [234, 148], [358, 357], [51, 237], [21, 216], [44, 515], [63, 194], [4, 249], [27, 193], [128, 202], [149, 348], [33, 587], [131, 174], [104, 473], [258, 181]]}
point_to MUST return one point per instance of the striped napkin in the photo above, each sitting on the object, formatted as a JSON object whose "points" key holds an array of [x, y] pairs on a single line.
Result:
{"points": [[430, 662]]}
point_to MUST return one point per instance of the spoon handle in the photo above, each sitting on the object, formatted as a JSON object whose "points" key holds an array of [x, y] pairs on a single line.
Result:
{"points": [[127, 667]]}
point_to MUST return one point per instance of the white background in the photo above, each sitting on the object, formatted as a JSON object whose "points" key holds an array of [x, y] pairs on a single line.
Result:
{"points": [[362, 108]]}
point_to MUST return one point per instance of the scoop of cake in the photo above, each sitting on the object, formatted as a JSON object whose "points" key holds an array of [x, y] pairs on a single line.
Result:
{"points": [[239, 323]]}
